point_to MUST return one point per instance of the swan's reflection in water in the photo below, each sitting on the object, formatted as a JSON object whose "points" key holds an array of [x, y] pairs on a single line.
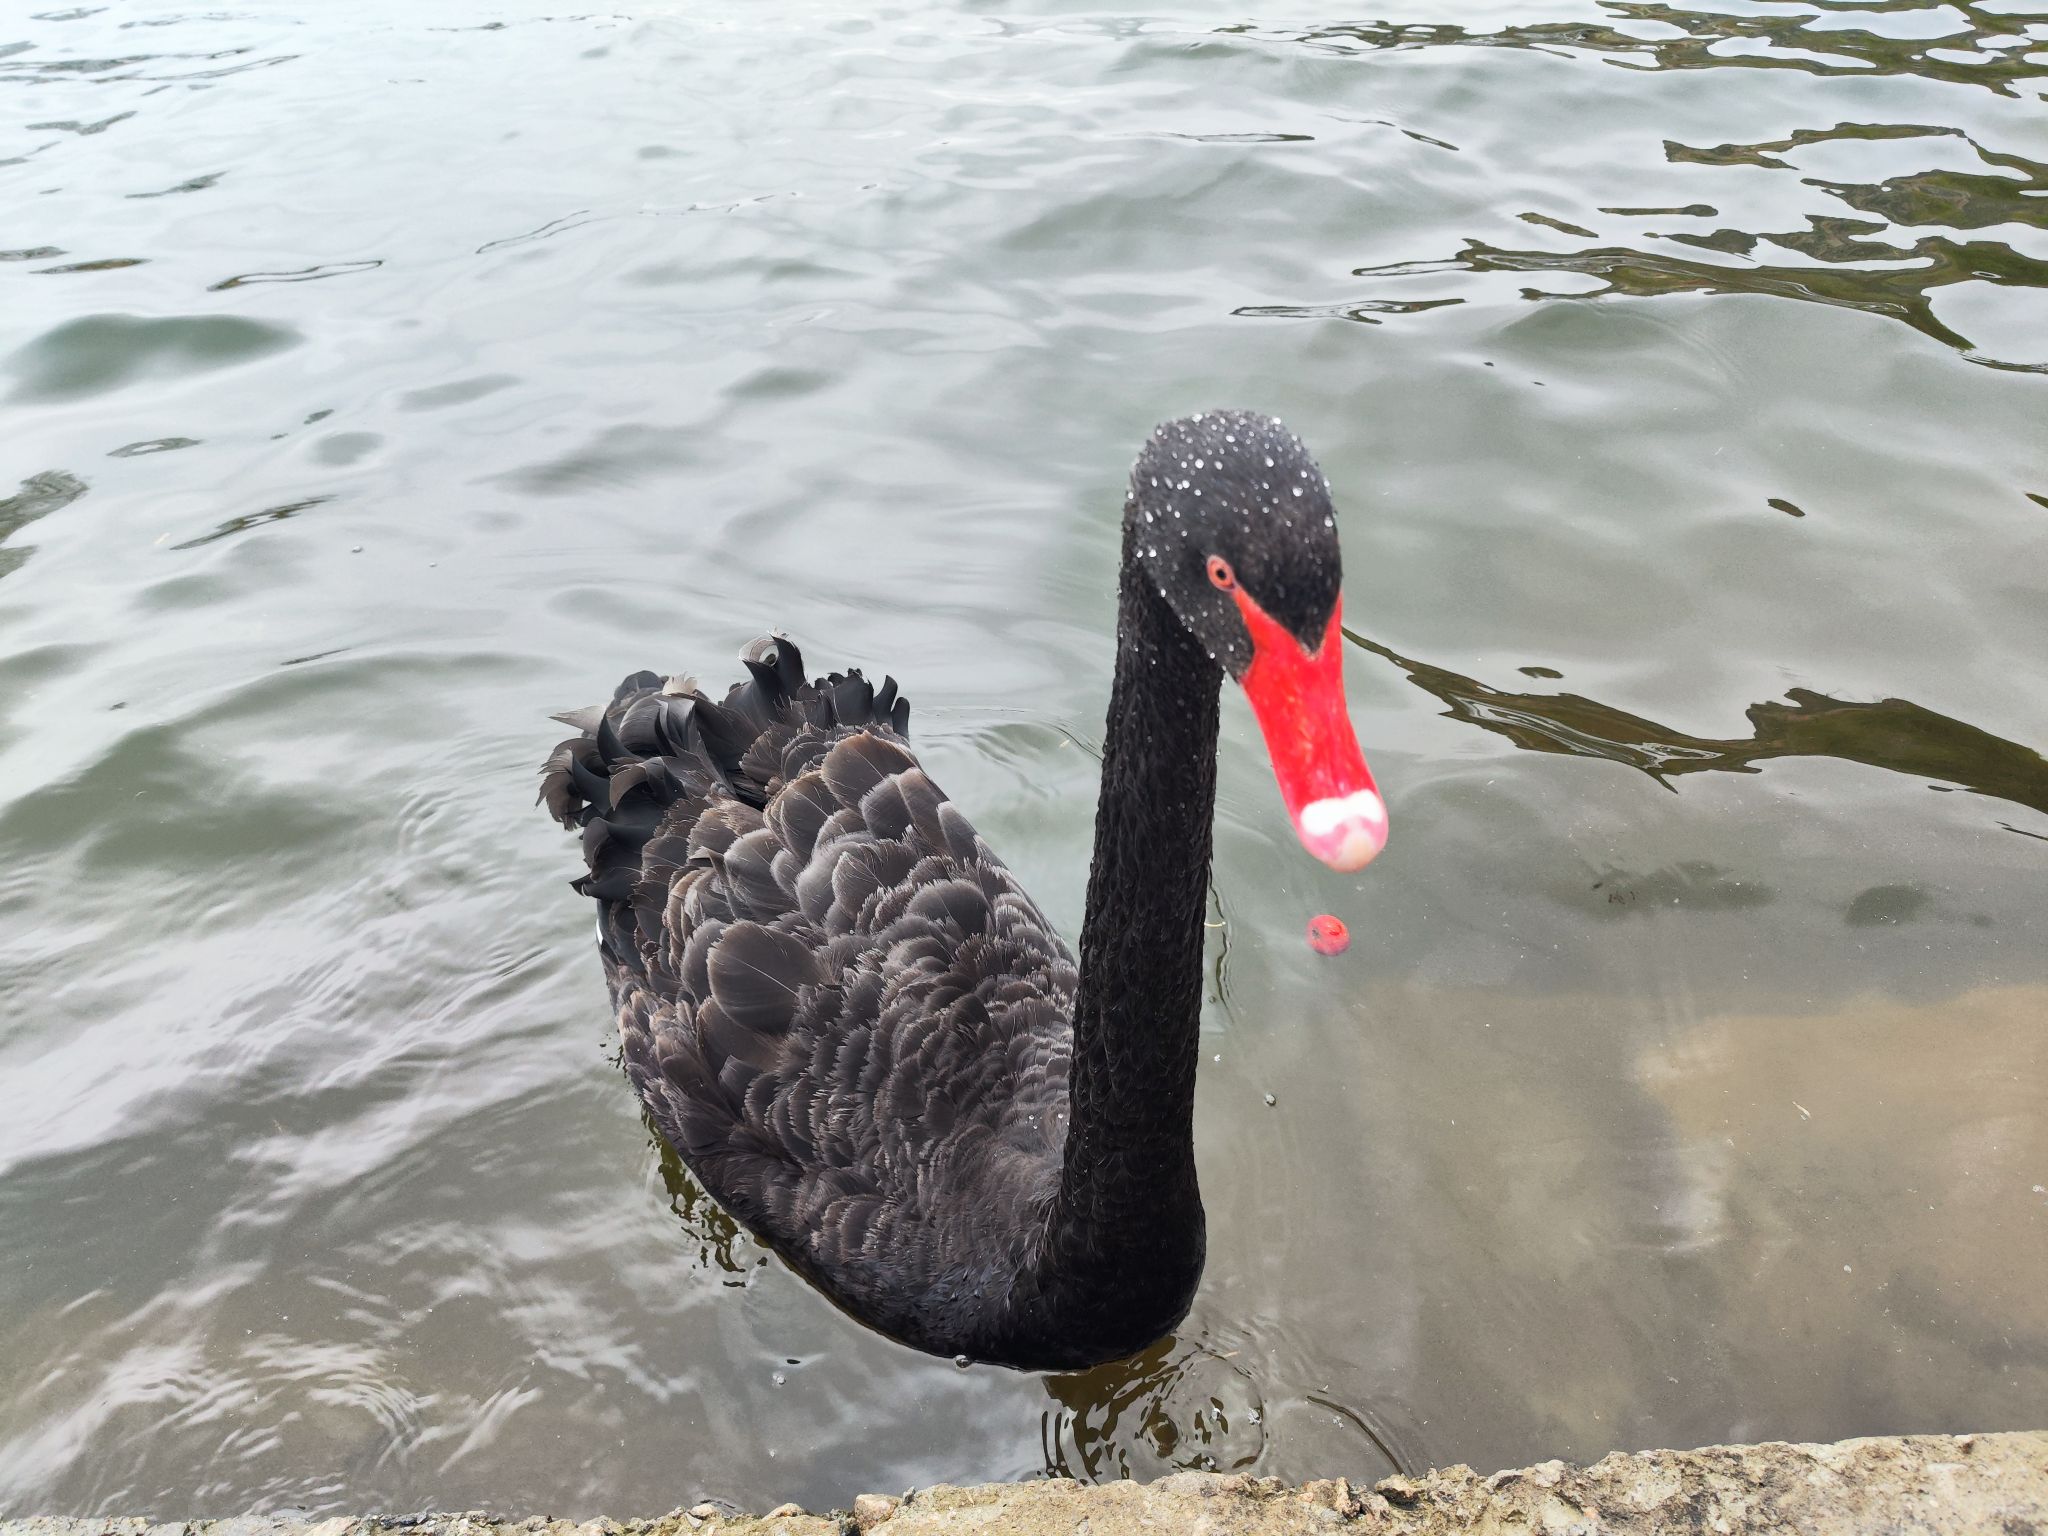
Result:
{"points": [[1191, 1404], [1181, 1405], [1188, 1403]]}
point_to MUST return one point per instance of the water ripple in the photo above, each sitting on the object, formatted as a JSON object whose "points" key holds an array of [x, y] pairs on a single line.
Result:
{"points": [[1637, 341]]}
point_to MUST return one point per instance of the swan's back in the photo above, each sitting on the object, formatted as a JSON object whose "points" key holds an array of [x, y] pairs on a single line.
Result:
{"points": [[835, 1002]]}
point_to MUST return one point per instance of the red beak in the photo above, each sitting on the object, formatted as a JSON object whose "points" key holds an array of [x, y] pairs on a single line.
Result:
{"points": [[1298, 697]]}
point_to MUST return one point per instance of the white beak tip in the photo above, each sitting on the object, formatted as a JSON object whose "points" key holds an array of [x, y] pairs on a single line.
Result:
{"points": [[1346, 832]]}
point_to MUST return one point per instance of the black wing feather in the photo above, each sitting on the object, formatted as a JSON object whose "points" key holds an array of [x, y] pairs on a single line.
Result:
{"points": [[834, 1001]]}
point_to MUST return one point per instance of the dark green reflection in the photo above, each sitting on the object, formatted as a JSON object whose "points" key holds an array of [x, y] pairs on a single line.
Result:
{"points": [[1893, 734], [1904, 293], [715, 1233], [1174, 1407], [39, 496], [234, 525], [1813, 50], [1890, 262]]}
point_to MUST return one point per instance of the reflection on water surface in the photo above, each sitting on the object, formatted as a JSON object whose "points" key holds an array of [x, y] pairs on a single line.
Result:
{"points": [[1892, 734], [378, 384], [1856, 263]]}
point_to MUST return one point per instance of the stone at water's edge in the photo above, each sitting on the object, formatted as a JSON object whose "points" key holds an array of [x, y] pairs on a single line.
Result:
{"points": [[1917, 1485]]}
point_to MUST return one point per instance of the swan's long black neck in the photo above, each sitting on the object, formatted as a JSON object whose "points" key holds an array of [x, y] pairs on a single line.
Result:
{"points": [[1128, 1206]]}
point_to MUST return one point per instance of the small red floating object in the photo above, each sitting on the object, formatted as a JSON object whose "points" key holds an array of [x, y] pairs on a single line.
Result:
{"points": [[1327, 935]]}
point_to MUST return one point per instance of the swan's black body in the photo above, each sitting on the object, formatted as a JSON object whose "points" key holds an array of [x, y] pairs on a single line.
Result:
{"points": [[840, 1009]]}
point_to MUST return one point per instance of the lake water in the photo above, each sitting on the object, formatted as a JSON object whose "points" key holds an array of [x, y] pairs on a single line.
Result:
{"points": [[379, 378]]}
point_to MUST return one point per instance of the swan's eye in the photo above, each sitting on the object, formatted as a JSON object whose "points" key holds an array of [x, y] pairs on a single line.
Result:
{"points": [[1221, 575]]}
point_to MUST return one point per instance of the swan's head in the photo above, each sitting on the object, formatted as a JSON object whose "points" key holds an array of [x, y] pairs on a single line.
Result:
{"points": [[1232, 520]]}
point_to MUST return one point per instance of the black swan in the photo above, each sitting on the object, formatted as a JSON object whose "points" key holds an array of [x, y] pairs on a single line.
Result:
{"points": [[843, 1013]]}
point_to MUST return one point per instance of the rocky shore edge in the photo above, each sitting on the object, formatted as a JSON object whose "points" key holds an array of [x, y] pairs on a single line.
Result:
{"points": [[1913, 1485]]}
